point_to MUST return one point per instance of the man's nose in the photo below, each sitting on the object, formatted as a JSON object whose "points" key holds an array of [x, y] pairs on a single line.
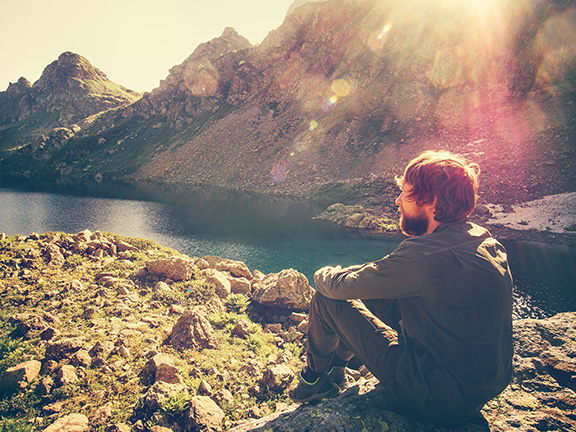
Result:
{"points": [[398, 199]]}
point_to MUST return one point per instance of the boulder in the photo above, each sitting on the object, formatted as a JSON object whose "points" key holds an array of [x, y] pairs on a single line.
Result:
{"points": [[176, 268], [221, 284], [158, 393], [62, 347], [66, 374], [20, 374], [192, 330], [235, 268], [277, 378], [69, 423], [204, 414], [288, 289], [150, 372], [239, 285]]}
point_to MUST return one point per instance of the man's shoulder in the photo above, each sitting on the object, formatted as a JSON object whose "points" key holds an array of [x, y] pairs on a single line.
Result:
{"points": [[446, 236]]}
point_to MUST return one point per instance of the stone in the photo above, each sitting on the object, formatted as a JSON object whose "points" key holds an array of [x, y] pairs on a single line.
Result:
{"points": [[19, 375], [158, 393], [66, 374], [241, 329], [223, 396], [218, 280], [54, 255], [168, 373], [63, 347], [235, 268], [69, 423], [192, 330], [204, 414], [160, 429], [277, 378], [176, 268], [81, 358], [150, 370], [123, 246], [288, 289], [239, 285], [123, 427]]}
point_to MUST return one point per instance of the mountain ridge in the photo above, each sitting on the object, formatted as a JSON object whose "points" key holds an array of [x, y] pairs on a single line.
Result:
{"points": [[345, 90]]}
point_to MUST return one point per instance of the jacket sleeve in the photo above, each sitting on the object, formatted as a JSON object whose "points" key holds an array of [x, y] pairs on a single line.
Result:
{"points": [[397, 275]]}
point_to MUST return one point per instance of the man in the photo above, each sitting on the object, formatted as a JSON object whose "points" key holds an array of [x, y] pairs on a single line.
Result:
{"points": [[432, 320]]}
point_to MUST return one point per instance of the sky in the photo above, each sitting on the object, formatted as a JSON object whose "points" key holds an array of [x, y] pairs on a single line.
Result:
{"points": [[134, 42]]}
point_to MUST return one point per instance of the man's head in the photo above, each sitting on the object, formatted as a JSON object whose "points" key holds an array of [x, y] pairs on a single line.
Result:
{"points": [[438, 187]]}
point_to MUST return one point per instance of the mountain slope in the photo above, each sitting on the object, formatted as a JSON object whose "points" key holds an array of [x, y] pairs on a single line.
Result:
{"points": [[344, 89]]}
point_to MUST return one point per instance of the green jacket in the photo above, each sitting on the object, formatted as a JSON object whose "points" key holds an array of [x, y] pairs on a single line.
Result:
{"points": [[454, 291]]}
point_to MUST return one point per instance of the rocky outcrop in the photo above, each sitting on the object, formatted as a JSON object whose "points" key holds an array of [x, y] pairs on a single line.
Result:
{"points": [[288, 289], [541, 397], [142, 337]]}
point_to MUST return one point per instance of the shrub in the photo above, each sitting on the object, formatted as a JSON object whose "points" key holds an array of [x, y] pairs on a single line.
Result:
{"points": [[237, 303]]}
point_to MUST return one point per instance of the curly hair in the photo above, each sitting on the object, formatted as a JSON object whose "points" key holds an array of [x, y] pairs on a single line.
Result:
{"points": [[445, 178]]}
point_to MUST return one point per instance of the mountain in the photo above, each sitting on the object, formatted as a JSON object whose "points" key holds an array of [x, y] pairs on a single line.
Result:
{"points": [[343, 94], [43, 116]]}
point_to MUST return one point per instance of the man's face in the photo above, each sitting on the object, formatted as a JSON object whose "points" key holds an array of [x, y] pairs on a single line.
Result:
{"points": [[413, 218]]}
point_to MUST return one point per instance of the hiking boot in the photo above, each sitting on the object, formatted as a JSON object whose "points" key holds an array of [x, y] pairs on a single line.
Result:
{"points": [[311, 392], [338, 375]]}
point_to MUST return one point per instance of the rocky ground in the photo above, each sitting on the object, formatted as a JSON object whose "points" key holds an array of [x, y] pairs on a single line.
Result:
{"points": [[104, 333]]}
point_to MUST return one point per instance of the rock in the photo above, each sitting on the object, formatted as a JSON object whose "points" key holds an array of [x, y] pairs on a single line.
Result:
{"points": [[540, 397], [49, 333], [223, 396], [204, 389], [176, 268], [66, 374], [219, 281], [288, 289], [277, 378], [61, 348], [241, 329], [123, 427], [53, 255], [204, 414], [193, 331], [19, 375], [168, 373], [69, 423], [157, 363], [160, 429], [126, 247], [239, 285], [81, 358], [158, 393], [162, 287], [235, 268]]}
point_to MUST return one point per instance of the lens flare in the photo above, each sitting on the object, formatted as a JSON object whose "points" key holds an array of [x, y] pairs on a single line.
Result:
{"points": [[385, 30], [340, 87], [313, 125]]}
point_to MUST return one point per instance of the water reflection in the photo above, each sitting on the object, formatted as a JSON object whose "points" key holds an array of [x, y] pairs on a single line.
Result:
{"points": [[268, 233]]}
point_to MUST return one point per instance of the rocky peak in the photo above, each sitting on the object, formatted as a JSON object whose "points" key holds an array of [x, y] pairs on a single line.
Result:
{"points": [[22, 86], [198, 68], [69, 72]]}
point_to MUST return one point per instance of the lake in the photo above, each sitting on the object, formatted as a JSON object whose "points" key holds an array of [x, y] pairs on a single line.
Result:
{"points": [[267, 233]]}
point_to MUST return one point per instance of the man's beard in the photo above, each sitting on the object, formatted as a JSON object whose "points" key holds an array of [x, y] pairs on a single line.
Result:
{"points": [[414, 225]]}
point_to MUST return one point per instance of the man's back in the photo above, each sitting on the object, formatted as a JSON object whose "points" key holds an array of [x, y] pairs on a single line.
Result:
{"points": [[459, 324]]}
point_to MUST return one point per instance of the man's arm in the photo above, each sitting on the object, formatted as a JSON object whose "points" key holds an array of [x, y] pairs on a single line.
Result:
{"points": [[394, 276]]}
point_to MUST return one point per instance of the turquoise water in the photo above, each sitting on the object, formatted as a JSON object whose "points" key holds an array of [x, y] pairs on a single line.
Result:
{"points": [[267, 233]]}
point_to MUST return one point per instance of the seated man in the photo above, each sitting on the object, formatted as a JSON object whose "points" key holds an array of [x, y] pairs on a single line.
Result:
{"points": [[432, 320]]}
